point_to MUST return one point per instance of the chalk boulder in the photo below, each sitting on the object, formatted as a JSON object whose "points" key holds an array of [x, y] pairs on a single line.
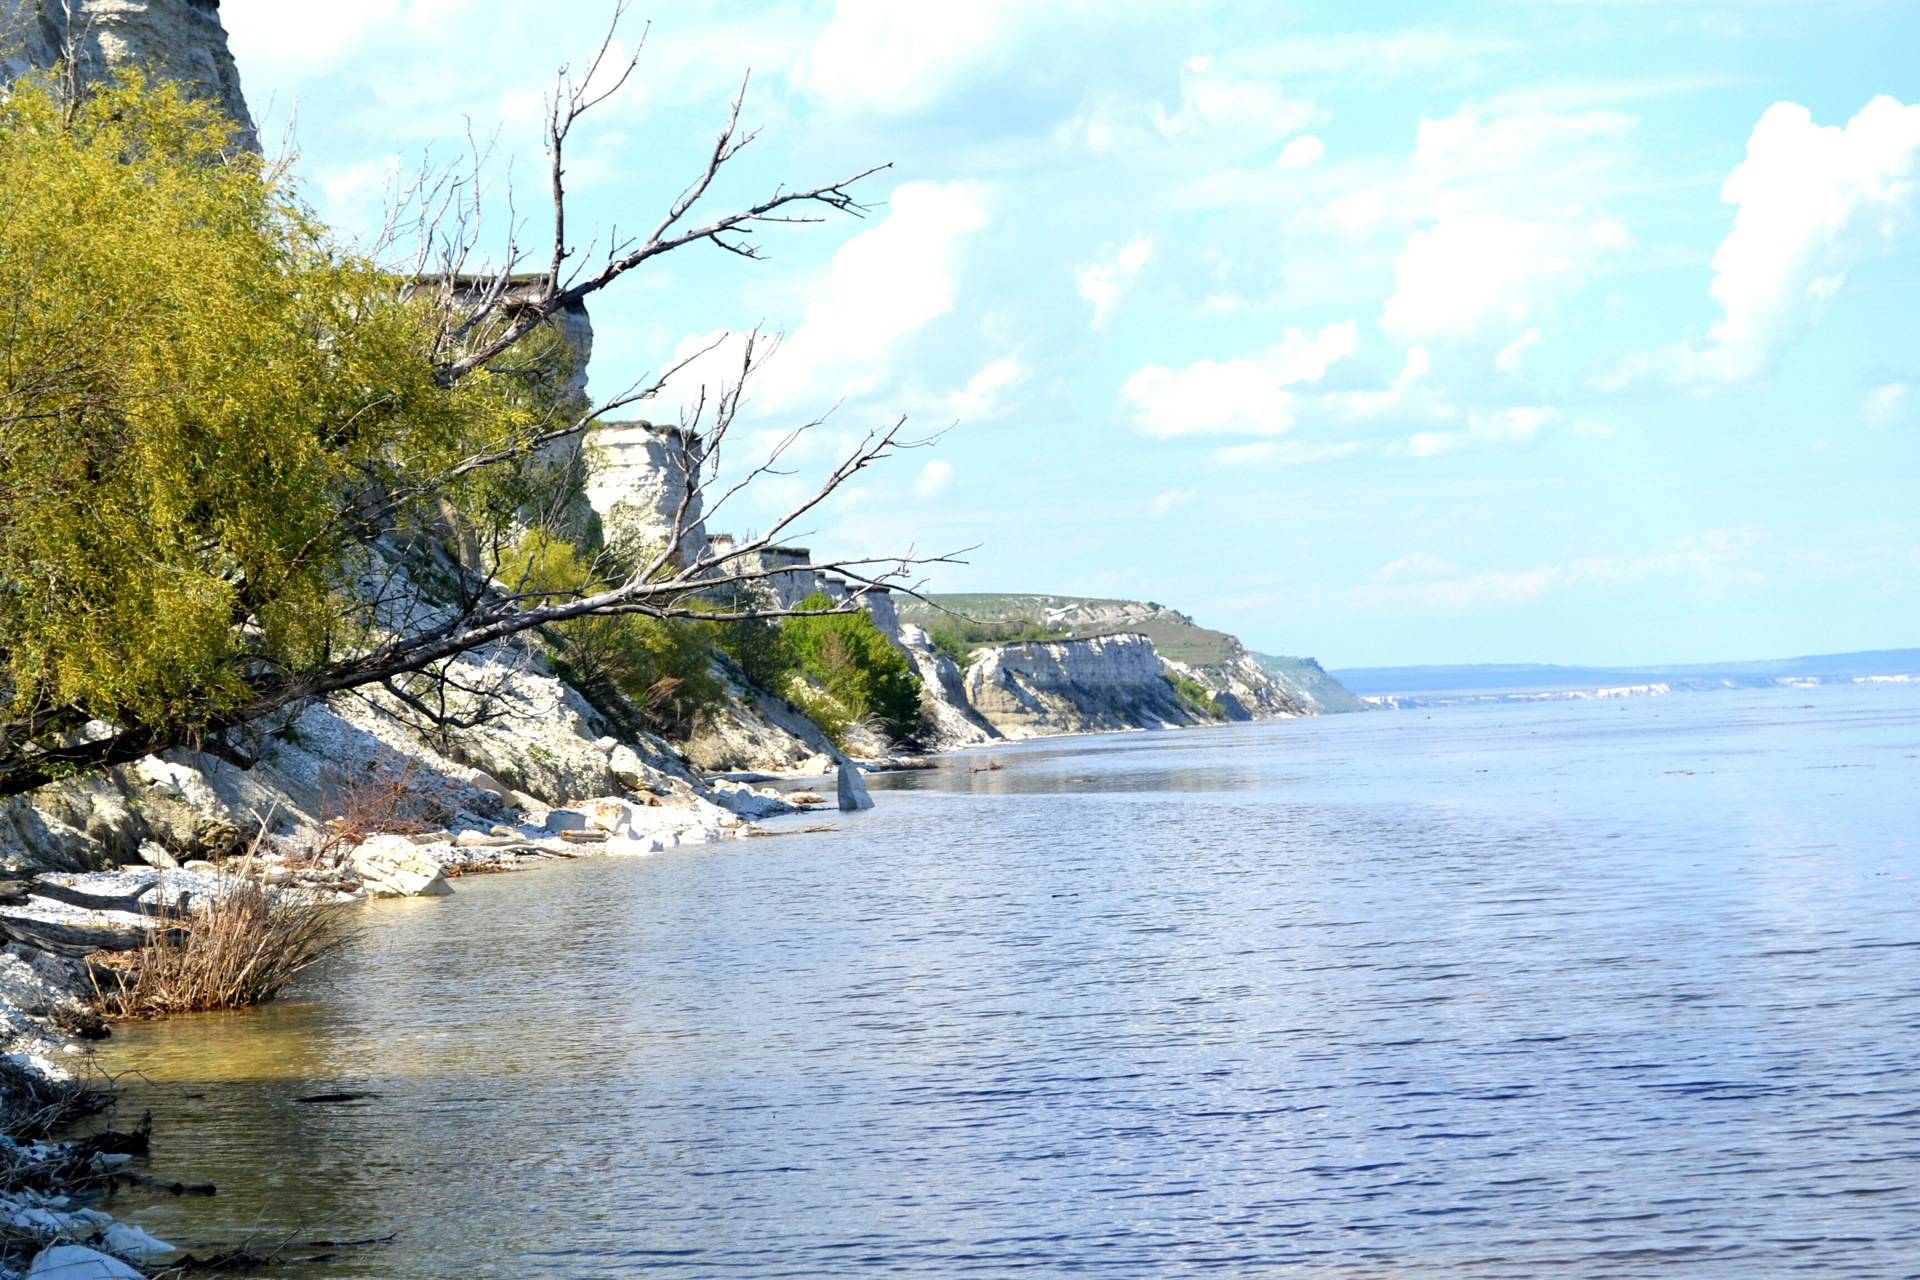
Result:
{"points": [[77, 1262], [396, 867], [130, 1241], [853, 788]]}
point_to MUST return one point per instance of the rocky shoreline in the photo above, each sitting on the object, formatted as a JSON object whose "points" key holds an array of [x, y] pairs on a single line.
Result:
{"points": [[54, 923]]}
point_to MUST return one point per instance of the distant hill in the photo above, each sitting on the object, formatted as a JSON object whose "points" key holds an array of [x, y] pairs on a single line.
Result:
{"points": [[1308, 681], [1491, 682]]}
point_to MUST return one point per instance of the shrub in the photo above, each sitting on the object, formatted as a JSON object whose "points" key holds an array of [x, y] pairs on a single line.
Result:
{"points": [[763, 650], [663, 666], [851, 672], [200, 383], [379, 796], [1196, 697], [240, 949]]}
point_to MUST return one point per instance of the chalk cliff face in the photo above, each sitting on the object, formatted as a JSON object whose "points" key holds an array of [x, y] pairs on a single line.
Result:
{"points": [[1102, 683], [951, 719], [181, 39], [638, 477], [1242, 686]]}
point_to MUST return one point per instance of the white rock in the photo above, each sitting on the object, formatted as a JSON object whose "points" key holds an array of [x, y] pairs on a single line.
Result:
{"points": [[155, 854], [77, 1262], [744, 802], [559, 820], [130, 1241], [487, 782], [178, 781], [629, 770], [39, 1220], [853, 789], [396, 867], [609, 813]]}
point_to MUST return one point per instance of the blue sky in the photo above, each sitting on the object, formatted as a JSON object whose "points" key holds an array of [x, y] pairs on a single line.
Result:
{"points": [[1388, 333]]}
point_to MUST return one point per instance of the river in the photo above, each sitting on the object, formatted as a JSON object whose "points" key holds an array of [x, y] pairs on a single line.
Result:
{"points": [[1569, 989]]}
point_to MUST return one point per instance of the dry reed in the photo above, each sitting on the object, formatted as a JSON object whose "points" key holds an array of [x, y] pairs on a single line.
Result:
{"points": [[240, 947]]}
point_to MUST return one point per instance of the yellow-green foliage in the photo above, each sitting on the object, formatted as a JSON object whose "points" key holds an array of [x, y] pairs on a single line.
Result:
{"points": [[195, 379], [661, 665]]}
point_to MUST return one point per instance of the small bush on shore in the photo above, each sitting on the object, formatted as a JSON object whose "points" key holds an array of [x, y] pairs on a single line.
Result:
{"points": [[240, 949]]}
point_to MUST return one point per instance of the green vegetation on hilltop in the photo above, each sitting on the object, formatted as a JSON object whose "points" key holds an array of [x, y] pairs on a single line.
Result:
{"points": [[958, 623]]}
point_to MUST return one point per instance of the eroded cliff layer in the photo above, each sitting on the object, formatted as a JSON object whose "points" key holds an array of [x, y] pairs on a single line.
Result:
{"points": [[181, 39], [1095, 685]]}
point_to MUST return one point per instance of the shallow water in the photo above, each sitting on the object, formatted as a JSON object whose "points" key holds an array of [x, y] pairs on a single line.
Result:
{"points": [[1580, 989]]}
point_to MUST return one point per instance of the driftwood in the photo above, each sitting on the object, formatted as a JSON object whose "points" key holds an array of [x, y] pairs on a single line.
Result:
{"points": [[74, 941], [50, 888], [77, 939]]}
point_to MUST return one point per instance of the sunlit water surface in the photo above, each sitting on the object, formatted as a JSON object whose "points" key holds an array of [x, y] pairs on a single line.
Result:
{"points": [[1602, 989]]}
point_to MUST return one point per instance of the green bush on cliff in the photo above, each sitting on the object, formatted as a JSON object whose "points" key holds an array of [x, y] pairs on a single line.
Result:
{"points": [[763, 650], [1195, 697], [849, 673], [662, 666]]}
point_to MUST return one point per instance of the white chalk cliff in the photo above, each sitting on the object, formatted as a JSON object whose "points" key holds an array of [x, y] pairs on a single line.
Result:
{"points": [[180, 39]]}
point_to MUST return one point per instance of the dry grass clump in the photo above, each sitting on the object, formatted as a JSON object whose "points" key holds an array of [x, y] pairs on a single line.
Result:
{"points": [[240, 948]]}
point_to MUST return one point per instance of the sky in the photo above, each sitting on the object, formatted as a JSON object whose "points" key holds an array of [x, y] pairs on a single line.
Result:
{"points": [[1574, 331]]}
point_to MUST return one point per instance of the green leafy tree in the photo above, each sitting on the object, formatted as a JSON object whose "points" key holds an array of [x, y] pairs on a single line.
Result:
{"points": [[244, 465]]}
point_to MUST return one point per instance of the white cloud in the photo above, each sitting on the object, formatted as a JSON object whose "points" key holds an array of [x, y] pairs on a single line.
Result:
{"points": [[1886, 406], [1247, 112], [1487, 271], [1104, 282], [1513, 356], [1426, 583], [893, 59], [982, 396], [886, 284], [1814, 203], [1172, 498], [1284, 453], [933, 479], [1520, 425], [1419, 565], [272, 32], [1242, 396], [1302, 151], [1448, 593]]}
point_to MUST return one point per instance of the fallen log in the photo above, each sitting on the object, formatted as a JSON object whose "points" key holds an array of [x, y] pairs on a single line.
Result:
{"points": [[67, 932]]}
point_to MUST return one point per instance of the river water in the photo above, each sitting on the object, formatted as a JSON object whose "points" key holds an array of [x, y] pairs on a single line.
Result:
{"points": [[1574, 989]]}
